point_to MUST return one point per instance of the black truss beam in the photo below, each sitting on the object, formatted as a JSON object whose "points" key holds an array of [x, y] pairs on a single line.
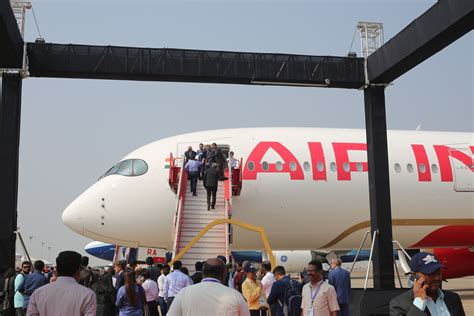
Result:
{"points": [[439, 26], [183, 65], [11, 42], [10, 111]]}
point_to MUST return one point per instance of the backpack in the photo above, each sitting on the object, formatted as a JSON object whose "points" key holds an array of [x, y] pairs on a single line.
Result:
{"points": [[291, 291], [87, 277], [7, 295]]}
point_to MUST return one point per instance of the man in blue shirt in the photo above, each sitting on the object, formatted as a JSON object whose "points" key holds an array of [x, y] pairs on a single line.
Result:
{"points": [[32, 282], [193, 167], [341, 280], [20, 278]]}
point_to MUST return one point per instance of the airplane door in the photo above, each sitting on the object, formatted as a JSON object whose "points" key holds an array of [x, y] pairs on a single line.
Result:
{"points": [[182, 147], [463, 175]]}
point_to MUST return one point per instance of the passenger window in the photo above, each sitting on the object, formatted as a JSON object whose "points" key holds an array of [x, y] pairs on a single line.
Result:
{"points": [[346, 167], [125, 168], [333, 166], [359, 167], [265, 166], [434, 168], [398, 168], [139, 167], [320, 166], [306, 166], [422, 168], [292, 166], [279, 166], [250, 165], [410, 168]]}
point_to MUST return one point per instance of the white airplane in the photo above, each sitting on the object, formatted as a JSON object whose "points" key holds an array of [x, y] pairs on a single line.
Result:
{"points": [[307, 187]]}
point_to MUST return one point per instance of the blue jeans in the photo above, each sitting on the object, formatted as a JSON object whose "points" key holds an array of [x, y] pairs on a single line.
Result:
{"points": [[163, 306], [343, 310]]}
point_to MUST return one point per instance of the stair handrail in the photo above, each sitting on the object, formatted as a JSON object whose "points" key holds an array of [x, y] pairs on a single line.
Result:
{"points": [[173, 168], [216, 222], [236, 181], [170, 180], [183, 179], [227, 204]]}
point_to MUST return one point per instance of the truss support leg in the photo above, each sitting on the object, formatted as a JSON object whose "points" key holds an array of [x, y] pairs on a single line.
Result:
{"points": [[10, 105], [379, 187]]}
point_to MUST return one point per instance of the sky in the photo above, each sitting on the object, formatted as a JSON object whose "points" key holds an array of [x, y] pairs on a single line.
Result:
{"points": [[73, 130]]}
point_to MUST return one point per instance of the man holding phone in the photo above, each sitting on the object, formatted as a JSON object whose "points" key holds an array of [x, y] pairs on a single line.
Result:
{"points": [[426, 297]]}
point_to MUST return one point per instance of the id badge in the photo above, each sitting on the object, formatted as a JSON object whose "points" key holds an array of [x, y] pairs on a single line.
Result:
{"points": [[262, 301], [310, 311]]}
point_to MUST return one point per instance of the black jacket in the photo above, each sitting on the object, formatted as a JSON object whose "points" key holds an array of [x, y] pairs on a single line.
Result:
{"points": [[403, 305], [212, 176], [188, 154], [278, 295]]}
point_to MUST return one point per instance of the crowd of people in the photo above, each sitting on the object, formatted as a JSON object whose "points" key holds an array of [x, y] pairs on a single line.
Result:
{"points": [[208, 164], [215, 288]]}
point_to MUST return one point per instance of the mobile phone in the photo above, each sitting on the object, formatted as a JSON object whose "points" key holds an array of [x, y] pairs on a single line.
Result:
{"points": [[417, 277]]}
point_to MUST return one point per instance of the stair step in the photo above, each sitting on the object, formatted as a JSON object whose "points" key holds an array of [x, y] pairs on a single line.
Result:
{"points": [[203, 252], [200, 245], [202, 199], [204, 239], [210, 217], [203, 208], [192, 234], [199, 200], [195, 223], [191, 227]]}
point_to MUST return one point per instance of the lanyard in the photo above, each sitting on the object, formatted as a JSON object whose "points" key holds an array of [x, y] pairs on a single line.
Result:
{"points": [[313, 296], [210, 280]]}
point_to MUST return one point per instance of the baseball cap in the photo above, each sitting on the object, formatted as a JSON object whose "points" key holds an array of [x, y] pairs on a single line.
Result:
{"points": [[425, 263]]}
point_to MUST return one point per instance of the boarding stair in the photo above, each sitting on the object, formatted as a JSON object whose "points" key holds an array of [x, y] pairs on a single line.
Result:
{"points": [[192, 216]]}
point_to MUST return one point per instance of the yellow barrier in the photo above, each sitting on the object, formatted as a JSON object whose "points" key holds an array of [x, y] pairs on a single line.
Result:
{"points": [[254, 228]]}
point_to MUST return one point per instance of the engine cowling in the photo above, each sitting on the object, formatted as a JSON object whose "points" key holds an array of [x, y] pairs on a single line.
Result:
{"points": [[459, 262]]}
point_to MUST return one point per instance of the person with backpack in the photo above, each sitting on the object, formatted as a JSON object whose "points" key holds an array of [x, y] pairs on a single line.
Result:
{"points": [[32, 282], [278, 298], [87, 277], [6, 308], [20, 278]]}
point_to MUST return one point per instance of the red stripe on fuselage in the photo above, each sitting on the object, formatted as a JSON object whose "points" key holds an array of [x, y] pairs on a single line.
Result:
{"points": [[448, 236]]}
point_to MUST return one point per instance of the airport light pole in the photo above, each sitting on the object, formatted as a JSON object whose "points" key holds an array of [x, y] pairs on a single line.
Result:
{"points": [[31, 237]]}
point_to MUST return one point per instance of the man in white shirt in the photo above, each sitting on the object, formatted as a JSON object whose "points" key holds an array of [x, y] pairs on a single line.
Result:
{"points": [[268, 278], [175, 282], [234, 163], [151, 292], [319, 298], [210, 297], [65, 296], [161, 283]]}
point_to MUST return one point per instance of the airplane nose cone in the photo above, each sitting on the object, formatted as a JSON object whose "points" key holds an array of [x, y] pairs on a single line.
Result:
{"points": [[71, 217]]}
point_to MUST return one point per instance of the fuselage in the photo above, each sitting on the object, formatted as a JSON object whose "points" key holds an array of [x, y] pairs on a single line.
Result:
{"points": [[307, 187]]}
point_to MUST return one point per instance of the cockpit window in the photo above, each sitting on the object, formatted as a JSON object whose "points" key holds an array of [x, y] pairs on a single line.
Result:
{"points": [[129, 167], [139, 167], [125, 168]]}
